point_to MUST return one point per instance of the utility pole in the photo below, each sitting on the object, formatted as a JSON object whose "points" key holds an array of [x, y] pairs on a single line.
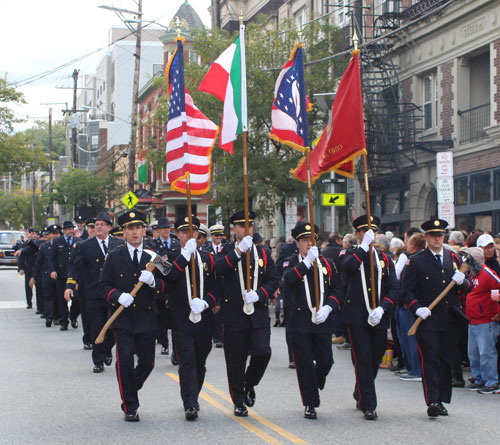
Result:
{"points": [[135, 102], [33, 196], [51, 172], [73, 118]]}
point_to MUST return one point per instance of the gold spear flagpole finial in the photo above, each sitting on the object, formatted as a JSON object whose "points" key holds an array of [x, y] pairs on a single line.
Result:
{"points": [[178, 26], [241, 17], [300, 34], [355, 40]]}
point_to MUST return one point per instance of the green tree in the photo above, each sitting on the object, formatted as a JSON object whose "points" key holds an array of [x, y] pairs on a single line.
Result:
{"points": [[39, 136], [15, 209], [82, 188], [269, 162]]}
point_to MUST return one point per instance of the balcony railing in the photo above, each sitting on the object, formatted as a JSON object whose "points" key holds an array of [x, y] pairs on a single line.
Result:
{"points": [[473, 122], [420, 8]]}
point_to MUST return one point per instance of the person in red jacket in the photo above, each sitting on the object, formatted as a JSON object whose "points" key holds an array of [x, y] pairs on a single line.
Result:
{"points": [[484, 314]]}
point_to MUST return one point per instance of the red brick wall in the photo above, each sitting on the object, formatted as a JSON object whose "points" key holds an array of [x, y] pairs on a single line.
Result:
{"points": [[446, 99], [496, 79], [406, 85], [482, 162]]}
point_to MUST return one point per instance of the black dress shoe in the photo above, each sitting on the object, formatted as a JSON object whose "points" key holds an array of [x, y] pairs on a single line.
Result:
{"points": [[218, 344], [29, 306], [291, 365], [173, 359], [38, 312], [442, 410], [98, 368], [310, 412], [164, 350], [191, 413], [456, 383], [433, 410], [74, 324], [56, 322], [87, 346], [197, 406], [276, 324], [370, 414], [132, 416], [108, 360], [43, 316], [48, 322], [63, 327], [249, 396], [241, 411]]}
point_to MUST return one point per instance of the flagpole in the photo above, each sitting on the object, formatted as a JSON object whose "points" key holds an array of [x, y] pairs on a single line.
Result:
{"points": [[355, 41], [303, 107], [186, 157], [248, 308]]}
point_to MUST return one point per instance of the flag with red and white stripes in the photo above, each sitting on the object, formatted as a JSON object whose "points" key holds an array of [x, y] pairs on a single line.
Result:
{"points": [[190, 134]]}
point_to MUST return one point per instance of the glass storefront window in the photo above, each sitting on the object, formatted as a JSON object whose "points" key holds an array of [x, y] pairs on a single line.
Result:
{"points": [[461, 191], [497, 185], [405, 200], [483, 222], [480, 188], [391, 203]]}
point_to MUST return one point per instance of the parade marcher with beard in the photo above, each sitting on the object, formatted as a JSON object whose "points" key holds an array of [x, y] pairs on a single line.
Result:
{"points": [[310, 330], [85, 269], [135, 328], [59, 260], [42, 269], [165, 244], [425, 276], [245, 333], [367, 327], [191, 317]]}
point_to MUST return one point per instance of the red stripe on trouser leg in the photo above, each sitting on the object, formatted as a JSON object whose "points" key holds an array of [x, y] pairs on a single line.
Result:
{"points": [[119, 375], [298, 381], [355, 365], [423, 373]]}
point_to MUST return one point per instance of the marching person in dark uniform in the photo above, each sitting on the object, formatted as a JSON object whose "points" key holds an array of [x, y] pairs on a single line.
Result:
{"points": [[85, 268], [165, 245], [202, 242], [25, 264], [117, 232], [245, 314], [134, 329], [80, 223], [191, 318], [90, 223], [310, 330], [425, 276], [367, 327], [216, 236], [215, 247], [42, 269], [59, 260]]}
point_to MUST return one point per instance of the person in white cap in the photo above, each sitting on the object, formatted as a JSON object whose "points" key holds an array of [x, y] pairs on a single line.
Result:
{"points": [[487, 243]]}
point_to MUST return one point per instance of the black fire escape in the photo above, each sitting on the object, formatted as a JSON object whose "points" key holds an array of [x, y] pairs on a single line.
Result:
{"points": [[392, 125]]}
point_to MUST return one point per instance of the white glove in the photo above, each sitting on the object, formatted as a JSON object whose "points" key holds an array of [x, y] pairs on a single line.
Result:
{"points": [[245, 243], [189, 249], [458, 277], [494, 295], [251, 297], [367, 240], [423, 312], [375, 316], [198, 305], [125, 299], [323, 313], [147, 277], [311, 256]]}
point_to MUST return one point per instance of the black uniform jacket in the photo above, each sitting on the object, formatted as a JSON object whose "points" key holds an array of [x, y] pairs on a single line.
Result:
{"points": [[27, 258], [295, 291], [86, 265], [41, 268], [61, 254], [226, 265], [178, 301], [162, 250], [119, 275], [423, 279], [354, 307]]}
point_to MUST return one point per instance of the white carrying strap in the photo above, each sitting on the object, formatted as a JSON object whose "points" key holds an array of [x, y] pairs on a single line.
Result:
{"points": [[363, 283], [195, 318], [248, 308], [321, 289]]}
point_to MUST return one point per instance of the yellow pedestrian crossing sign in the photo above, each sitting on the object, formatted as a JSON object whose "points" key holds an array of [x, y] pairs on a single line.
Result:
{"points": [[333, 199], [130, 200]]}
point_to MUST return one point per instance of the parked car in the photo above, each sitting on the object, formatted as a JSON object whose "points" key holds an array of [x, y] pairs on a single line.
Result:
{"points": [[7, 239]]}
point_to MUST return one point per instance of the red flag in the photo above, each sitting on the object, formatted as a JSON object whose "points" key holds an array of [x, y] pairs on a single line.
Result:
{"points": [[343, 138]]}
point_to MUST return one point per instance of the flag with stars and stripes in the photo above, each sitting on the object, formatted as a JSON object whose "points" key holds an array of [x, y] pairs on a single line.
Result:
{"points": [[290, 105], [190, 134]]}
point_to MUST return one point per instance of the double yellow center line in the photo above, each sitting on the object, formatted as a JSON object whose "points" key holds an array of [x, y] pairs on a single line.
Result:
{"points": [[244, 422]]}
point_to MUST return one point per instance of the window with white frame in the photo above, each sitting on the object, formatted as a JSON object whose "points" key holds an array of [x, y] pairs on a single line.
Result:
{"points": [[300, 17], [430, 100], [342, 13]]}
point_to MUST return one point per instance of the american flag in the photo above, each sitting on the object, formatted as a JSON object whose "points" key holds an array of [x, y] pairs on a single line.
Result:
{"points": [[190, 134], [290, 106]]}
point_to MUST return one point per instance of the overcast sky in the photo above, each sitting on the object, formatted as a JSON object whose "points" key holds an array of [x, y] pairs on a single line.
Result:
{"points": [[38, 36]]}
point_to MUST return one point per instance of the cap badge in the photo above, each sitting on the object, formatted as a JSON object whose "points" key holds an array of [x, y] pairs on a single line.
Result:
{"points": [[132, 214], [308, 227], [436, 223], [186, 219]]}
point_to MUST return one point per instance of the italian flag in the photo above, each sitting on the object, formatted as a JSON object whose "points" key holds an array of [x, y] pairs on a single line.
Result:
{"points": [[226, 80], [142, 170]]}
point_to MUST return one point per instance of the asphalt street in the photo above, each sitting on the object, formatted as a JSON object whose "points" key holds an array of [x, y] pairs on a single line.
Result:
{"points": [[49, 394]]}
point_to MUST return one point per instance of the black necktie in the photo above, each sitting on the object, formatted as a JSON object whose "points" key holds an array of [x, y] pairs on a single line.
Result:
{"points": [[104, 247], [438, 257], [136, 259], [68, 241]]}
